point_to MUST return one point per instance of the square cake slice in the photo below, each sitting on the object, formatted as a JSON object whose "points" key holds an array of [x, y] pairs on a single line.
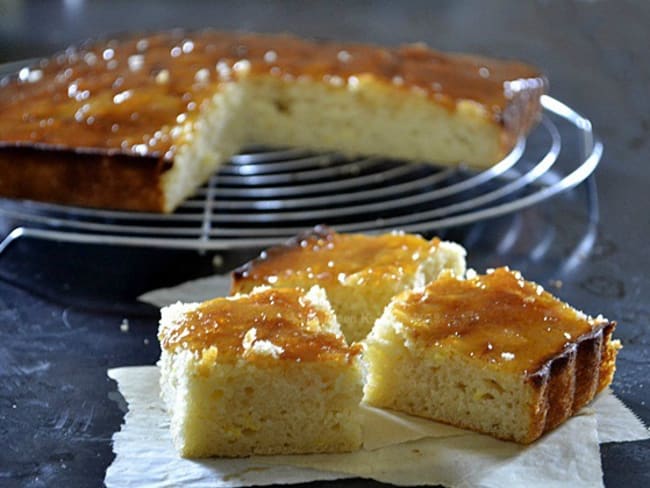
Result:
{"points": [[264, 373], [360, 273], [493, 353]]}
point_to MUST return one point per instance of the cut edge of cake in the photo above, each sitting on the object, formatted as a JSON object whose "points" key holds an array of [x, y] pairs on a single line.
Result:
{"points": [[366, 118]]}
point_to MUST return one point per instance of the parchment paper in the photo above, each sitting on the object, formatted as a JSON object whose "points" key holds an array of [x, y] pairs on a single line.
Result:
{"points": [[198, 290], [398, 449]]}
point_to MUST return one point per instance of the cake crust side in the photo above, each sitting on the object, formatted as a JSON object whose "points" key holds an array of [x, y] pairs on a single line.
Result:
{"points": [[524, 110], [569, 381], [88, 179]]}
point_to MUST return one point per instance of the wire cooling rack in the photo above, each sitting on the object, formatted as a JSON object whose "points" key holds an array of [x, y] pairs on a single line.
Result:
{"points": [[263, 196]]}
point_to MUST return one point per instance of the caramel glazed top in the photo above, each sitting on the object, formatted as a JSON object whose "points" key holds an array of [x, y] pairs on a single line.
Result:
{"points": [[125, 96], [324, 257], [291, 325], [498, 319]]}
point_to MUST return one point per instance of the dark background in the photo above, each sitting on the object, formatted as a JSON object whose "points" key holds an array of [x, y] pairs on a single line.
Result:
{"points": [[61, 305]]}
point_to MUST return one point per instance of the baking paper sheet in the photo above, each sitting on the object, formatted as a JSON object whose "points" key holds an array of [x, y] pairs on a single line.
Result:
{"points": [[198, 290], [398, 449]]}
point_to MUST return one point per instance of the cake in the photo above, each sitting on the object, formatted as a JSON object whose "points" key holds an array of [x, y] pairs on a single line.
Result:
{"points": [[138, 123], [360, 273], [263, 373], [493, 353]]}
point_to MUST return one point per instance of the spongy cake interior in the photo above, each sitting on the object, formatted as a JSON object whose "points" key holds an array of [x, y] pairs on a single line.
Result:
{"points": [[229, 410], [442, 385], [361, 118]]}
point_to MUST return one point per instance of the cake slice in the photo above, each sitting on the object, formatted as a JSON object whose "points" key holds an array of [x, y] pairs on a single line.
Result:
{"points": [[139, 122], [360, 273], [493, 353], [264, 373]]}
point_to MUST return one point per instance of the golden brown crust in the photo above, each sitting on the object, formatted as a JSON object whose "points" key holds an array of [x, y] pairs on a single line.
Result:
{"points": [[569, 381], [522, 113], [84, 179], [560, 390]]}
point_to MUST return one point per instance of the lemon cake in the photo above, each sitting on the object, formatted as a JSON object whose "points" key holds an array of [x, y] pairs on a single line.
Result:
{"points": [[139, 122], [263, 373], [493, 353], [360, 273]]}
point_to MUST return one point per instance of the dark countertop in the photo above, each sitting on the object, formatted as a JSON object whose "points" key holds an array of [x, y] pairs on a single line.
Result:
{"points": [[61, 305]]}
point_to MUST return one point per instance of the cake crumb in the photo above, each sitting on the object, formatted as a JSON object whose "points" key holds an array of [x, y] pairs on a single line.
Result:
{"points": [[124, 326], [217, 261]]}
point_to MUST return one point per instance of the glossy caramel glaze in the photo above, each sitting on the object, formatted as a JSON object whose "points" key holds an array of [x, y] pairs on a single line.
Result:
{"points": [[281, 316], [497, 318], [126, 96], [327, 258]]}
